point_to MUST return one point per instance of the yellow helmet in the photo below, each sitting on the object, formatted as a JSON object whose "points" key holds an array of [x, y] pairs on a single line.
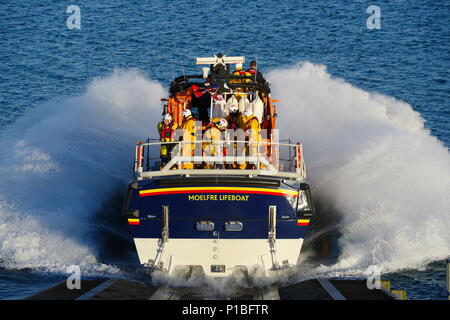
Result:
{"points": [[222, 124]]}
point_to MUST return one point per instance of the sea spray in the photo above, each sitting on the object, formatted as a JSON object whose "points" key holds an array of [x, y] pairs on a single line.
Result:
{"points": [[194, 280], [371, 160], [61, 161]]}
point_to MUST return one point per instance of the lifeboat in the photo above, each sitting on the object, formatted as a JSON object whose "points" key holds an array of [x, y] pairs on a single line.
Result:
{"points": [[250, 207]]}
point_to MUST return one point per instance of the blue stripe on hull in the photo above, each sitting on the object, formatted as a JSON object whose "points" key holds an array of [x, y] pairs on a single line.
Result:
{"points": [[256, 207], [184, 214]]}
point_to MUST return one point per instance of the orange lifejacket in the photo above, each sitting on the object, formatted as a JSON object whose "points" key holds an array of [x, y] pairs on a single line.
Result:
{"points": [[252, 71], [240, 72], [167, 131]]}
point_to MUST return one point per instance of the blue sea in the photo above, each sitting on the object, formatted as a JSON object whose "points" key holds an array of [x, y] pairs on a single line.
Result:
{"points": [[369, 100]]}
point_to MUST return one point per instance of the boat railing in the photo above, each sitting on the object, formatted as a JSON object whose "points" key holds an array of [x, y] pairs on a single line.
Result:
{"points": [[220, 157]]}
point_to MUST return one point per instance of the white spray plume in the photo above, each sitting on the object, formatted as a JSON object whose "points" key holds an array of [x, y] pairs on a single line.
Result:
{"points": [[61, 161], [371, 158]]}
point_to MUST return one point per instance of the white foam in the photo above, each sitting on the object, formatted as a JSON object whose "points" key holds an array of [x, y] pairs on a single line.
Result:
{"points": [[60, 161], [371, 159], [210, 287]]}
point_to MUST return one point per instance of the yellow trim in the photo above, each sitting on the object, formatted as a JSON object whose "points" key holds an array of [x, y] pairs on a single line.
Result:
{"points": [[281, 191], [133, 220]]}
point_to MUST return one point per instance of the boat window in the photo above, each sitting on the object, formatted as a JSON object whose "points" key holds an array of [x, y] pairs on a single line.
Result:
{"points": [[204, 226], [303, 203], [233, 226], [131, 207]]}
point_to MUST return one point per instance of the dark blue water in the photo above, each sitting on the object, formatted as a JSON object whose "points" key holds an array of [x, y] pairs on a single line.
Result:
{"points": [[41, 60]]}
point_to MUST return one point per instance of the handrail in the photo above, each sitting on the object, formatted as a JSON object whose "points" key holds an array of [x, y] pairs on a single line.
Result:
{"points": [[250, 153], [215, 141]]}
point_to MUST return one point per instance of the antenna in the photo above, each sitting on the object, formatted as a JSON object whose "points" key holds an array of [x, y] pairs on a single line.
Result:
{"points": [[171, 64], [182, 68], [256, 73]]}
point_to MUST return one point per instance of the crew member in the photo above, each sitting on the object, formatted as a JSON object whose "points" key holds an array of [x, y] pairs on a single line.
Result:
{"points": [[250, 124], [214, 134], [233, 117], [255, 72], [188, 127], [166, 130], [239, 71]]}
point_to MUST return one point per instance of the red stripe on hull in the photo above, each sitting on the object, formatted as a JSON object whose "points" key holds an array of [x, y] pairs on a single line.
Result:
{"points": [[218, 191]]}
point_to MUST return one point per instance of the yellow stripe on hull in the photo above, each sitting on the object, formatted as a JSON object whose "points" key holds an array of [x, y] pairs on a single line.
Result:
{"points": [[224, 189]]}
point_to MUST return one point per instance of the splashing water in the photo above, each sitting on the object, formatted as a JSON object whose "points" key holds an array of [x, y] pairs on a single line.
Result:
{"points": [[370, 159], [195, 282], [61, 161]]}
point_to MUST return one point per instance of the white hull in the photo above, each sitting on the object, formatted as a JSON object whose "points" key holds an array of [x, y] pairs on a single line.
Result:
{"points": [[231, 253]]}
